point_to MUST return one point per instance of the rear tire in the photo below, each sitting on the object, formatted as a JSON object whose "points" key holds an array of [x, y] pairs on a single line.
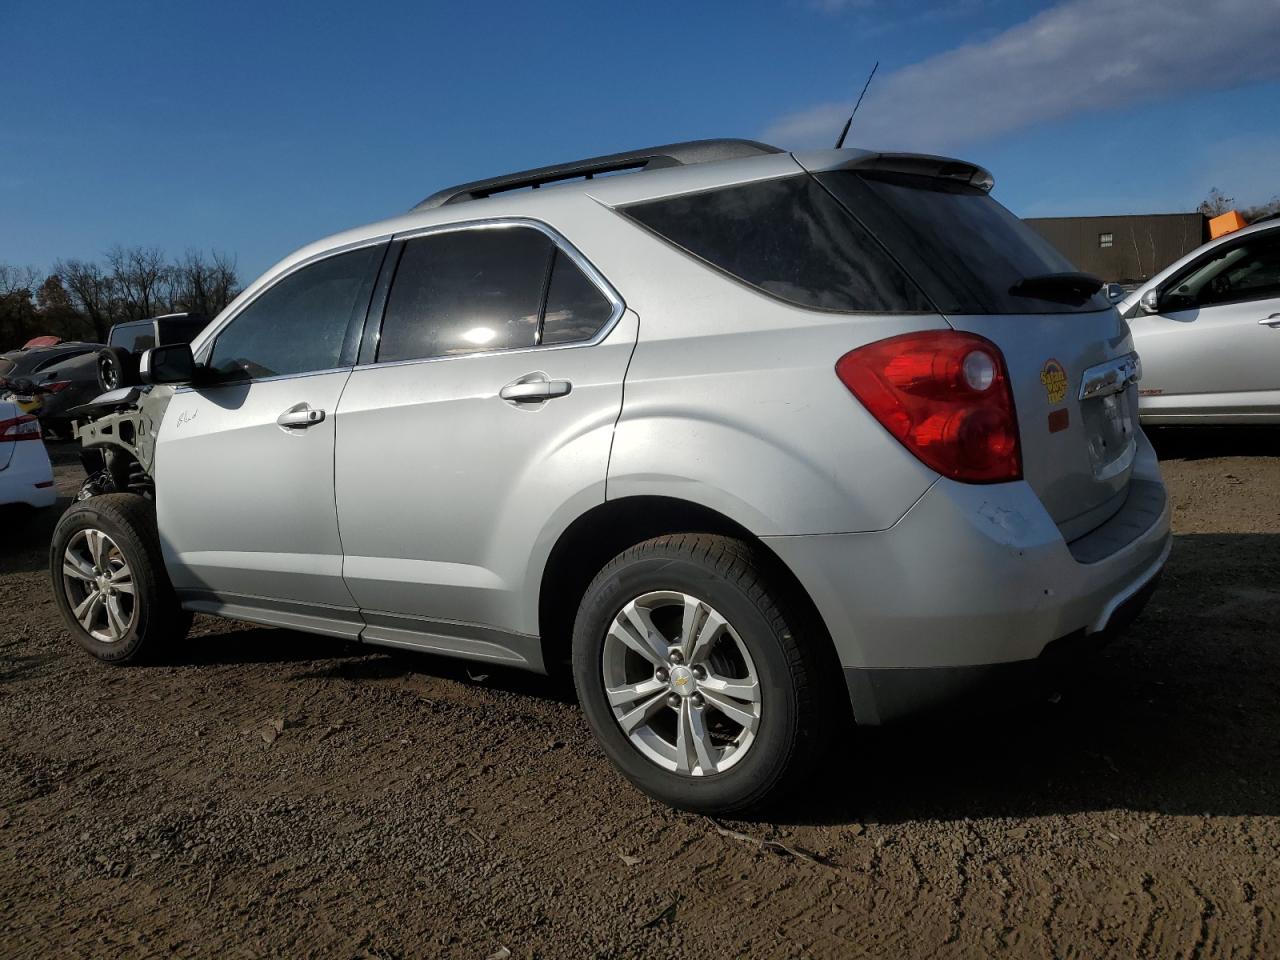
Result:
{"points": [[109, 579], [739, 709], [117, 367]]}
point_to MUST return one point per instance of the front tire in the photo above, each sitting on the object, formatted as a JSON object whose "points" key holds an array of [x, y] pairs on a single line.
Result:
{"points": [[700, 673], [109, 579]]}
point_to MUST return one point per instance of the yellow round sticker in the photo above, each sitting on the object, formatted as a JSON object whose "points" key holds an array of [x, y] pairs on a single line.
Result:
{"points": [[1054, 378]]}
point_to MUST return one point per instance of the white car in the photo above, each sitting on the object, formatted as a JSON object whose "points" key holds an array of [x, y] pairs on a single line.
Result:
{"points": [[26, 475], [1208, 331]]}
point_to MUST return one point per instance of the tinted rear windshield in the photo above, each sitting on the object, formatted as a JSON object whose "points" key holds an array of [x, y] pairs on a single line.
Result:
{"points": [[962, 247], [866, 242], [789, 238]]}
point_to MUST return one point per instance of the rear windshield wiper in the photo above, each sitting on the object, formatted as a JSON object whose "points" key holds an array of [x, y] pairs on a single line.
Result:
{"points": [[1072, 288]]}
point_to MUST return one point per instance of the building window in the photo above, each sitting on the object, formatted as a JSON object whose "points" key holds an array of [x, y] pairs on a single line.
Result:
{"points": [[1104, 240]]}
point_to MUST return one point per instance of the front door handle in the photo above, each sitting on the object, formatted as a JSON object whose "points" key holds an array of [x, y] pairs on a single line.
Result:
{"points": [[1272, 321], [300, 416], [535, 389]]}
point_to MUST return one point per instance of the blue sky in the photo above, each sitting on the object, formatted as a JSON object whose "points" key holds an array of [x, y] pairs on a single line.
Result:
{"points": [[254, 128]]}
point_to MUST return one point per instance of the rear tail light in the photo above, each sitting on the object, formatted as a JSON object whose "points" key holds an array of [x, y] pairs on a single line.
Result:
{"points": [[19, 428], [57, 386], [945, 396]]}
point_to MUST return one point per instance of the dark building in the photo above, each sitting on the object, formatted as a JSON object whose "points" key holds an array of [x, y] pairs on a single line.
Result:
{"points": [[1124, 249]]}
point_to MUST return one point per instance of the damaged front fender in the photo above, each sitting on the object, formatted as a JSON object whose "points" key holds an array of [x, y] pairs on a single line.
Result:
{"points": [[117, 432]]}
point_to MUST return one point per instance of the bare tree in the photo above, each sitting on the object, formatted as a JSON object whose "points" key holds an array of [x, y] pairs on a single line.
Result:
{"points": [[141, 277], [225, 283], [92, 292], [203, 285], [1254, 214], [16, 279], [58, 315], [1216, 204], [17, 309], [82, 298]]}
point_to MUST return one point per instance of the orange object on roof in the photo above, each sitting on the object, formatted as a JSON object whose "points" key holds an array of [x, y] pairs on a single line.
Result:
{"points": [[1229, 222]]}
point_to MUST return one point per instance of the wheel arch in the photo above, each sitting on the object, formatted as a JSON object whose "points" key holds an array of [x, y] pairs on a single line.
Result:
{"points": [[604, 531]]}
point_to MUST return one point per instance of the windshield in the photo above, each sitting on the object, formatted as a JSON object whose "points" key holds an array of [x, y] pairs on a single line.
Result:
{"points": [[966, 251]]}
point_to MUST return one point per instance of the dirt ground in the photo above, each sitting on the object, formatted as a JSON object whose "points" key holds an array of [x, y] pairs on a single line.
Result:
{"points": [[271, 793]]}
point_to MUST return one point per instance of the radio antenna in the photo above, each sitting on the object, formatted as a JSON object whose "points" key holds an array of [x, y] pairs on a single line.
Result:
{"points": [[848, 123]]}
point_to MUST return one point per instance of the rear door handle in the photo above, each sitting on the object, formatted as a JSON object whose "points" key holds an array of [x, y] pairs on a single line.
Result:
{"points": [[531, 390], [1272, 321], [300, 416]]}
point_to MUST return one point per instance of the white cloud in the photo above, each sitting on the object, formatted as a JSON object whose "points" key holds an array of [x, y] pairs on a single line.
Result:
{"points": [[1079, 56]]}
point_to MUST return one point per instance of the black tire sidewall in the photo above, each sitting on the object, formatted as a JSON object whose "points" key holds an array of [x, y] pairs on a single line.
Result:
{"points": [[125, 364], [134, 545], [767, 759]]}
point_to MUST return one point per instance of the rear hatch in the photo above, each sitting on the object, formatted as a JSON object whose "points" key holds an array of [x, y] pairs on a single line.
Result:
{"points": [[1069, 356]]}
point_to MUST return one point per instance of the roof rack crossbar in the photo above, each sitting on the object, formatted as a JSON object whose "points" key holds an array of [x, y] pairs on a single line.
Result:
{"points": [[649, 158]]}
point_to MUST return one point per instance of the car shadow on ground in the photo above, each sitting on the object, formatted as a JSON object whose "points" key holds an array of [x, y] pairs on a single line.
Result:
{"points": [[334, 658], [1203, 443], [1180, 716]]}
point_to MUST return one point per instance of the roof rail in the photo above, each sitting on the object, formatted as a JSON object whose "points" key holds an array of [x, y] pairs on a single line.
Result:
{"points": [[649, 158]]}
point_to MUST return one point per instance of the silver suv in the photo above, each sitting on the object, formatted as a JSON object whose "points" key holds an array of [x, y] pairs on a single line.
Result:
{"points": [[750, 439]]}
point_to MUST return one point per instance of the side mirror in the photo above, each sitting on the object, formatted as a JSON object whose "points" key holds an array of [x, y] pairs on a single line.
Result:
{"points": [[171, 364], [1150, 302], [1113, 292]]}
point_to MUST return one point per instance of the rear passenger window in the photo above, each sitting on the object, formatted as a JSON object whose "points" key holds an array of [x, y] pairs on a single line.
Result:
{"points": [[576, 308], [789, 238], [466, 291]]}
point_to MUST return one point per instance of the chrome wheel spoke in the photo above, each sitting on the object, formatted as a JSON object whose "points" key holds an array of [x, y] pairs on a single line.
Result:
{"points": [[96, 540], [744, 689], [631, 692], [635, 629], [630, 720], [117, 623], [88, 609], [736, 712], [694, 750], [76, 568], [699, 629], [121, 579]]}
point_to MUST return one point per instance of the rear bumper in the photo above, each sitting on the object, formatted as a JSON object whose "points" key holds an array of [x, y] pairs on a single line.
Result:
{"points": [[28, 478], [973, 580], [883, 696]]}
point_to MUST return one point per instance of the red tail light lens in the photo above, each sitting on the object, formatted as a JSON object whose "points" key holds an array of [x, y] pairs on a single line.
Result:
{"points": [[19, 428], [945, 395], [56, 386]]}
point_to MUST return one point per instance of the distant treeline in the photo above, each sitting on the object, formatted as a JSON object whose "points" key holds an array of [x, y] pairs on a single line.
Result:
{"points": [[80, 300]]}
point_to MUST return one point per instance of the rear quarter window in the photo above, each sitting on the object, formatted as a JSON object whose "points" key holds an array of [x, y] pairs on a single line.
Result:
{"points": [[788, 238]]}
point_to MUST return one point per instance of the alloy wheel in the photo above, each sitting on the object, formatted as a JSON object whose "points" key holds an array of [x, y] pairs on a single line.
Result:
{"points": [[99, 586], [681, 683]]}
